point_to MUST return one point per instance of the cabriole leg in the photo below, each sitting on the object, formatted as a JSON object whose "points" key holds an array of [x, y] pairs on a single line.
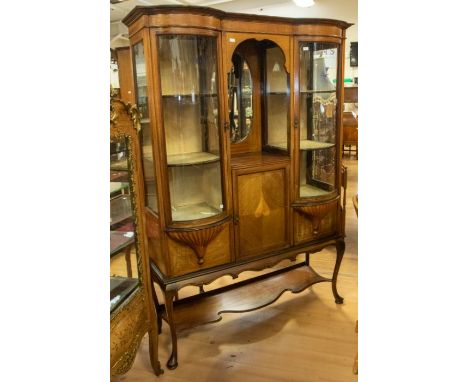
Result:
{"points": [[153, 350], [340, 248], [156, 307], [172, 362]]}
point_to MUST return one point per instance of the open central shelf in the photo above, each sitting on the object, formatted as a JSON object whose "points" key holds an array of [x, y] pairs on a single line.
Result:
{"points": [[305, 145], [306, 191], [243, 297], [193, 212], [191, 159]]}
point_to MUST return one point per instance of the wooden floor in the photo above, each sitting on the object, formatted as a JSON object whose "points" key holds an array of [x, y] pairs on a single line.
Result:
{"points": [[301, 337]]}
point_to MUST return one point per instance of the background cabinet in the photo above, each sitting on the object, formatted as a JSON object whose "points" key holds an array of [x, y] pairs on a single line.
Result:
{"points": [[242, 135]]}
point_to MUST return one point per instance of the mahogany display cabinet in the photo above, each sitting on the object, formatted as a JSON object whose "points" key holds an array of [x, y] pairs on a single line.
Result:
{"points": [[241, 148]]}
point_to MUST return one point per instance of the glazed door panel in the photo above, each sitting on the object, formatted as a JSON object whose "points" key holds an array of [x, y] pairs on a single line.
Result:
{"points": [[261, 212]]}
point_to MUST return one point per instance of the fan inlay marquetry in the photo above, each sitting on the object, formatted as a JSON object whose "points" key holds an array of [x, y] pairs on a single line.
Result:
{"points": [[197, 240], [316, 214], [262, 209]]}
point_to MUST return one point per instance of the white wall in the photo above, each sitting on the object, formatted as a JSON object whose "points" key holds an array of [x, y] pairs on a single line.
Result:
{"points": [[346, 10]]}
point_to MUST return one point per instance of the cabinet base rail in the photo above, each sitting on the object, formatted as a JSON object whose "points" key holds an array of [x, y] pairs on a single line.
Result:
{"points": [[245, 296]]}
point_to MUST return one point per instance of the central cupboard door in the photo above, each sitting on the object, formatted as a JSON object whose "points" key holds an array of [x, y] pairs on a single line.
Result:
{"points": [[261, 214]]}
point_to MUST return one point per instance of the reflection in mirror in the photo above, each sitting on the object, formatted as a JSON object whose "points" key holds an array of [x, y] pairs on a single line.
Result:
{"points": [[240, 99], [123, 260]]}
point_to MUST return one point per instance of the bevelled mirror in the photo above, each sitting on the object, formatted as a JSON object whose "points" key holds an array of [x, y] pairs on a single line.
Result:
{"points": [[124, 277], [240, 99]]}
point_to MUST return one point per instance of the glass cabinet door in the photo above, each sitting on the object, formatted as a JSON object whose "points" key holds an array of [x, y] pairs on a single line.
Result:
{"points": [[139, 66], [189, 90], [123, 257], [318, 112], [276, 98]]}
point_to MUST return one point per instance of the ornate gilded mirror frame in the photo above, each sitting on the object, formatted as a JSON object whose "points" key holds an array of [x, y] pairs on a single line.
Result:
{"points": [[135, 316]]}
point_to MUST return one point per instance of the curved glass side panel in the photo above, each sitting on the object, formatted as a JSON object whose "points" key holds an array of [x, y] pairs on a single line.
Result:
{"points": [[318, 111], [151, 196], [123, 258], [189, 89]]}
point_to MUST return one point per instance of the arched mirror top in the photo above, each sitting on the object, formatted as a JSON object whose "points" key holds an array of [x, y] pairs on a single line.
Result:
{"points": [[236, 40]]}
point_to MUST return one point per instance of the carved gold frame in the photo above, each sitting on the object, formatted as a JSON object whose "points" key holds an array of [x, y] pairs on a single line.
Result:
{"points": [[135, 317]]}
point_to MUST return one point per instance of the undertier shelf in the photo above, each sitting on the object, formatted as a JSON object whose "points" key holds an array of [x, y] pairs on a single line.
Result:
{"points": [[120, 240], [307, 191], [119, 165], [305, 145], [193, 212], [117, 186], [120, 289], [120, 208], [191, 159], [242, 297]]}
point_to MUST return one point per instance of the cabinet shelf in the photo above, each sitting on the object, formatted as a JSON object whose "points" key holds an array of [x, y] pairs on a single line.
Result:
{"points": [[189, 95], [242, 297], [191, 159], [119, 165], [118, 176], [120, 240], [194, 212], [305, 145], [117, 186], [121, 209], [317, 91], [120, 289], [308, 191]]}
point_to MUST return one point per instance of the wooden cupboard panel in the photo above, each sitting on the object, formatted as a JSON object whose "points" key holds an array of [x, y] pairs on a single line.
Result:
{"points": [[262, 211], [153, 233], [184, 260], [303, 226]]}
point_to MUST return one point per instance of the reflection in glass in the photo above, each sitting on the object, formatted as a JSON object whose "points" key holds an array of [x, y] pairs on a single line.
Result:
{"points": [[318, 109], [123, 261], [277, 98], [240, 99], [189, 87], [151, 200]]}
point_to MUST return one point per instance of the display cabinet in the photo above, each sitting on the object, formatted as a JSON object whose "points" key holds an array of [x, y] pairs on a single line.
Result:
{"points": [[350, 120], [244, 134], [132, 311]]}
